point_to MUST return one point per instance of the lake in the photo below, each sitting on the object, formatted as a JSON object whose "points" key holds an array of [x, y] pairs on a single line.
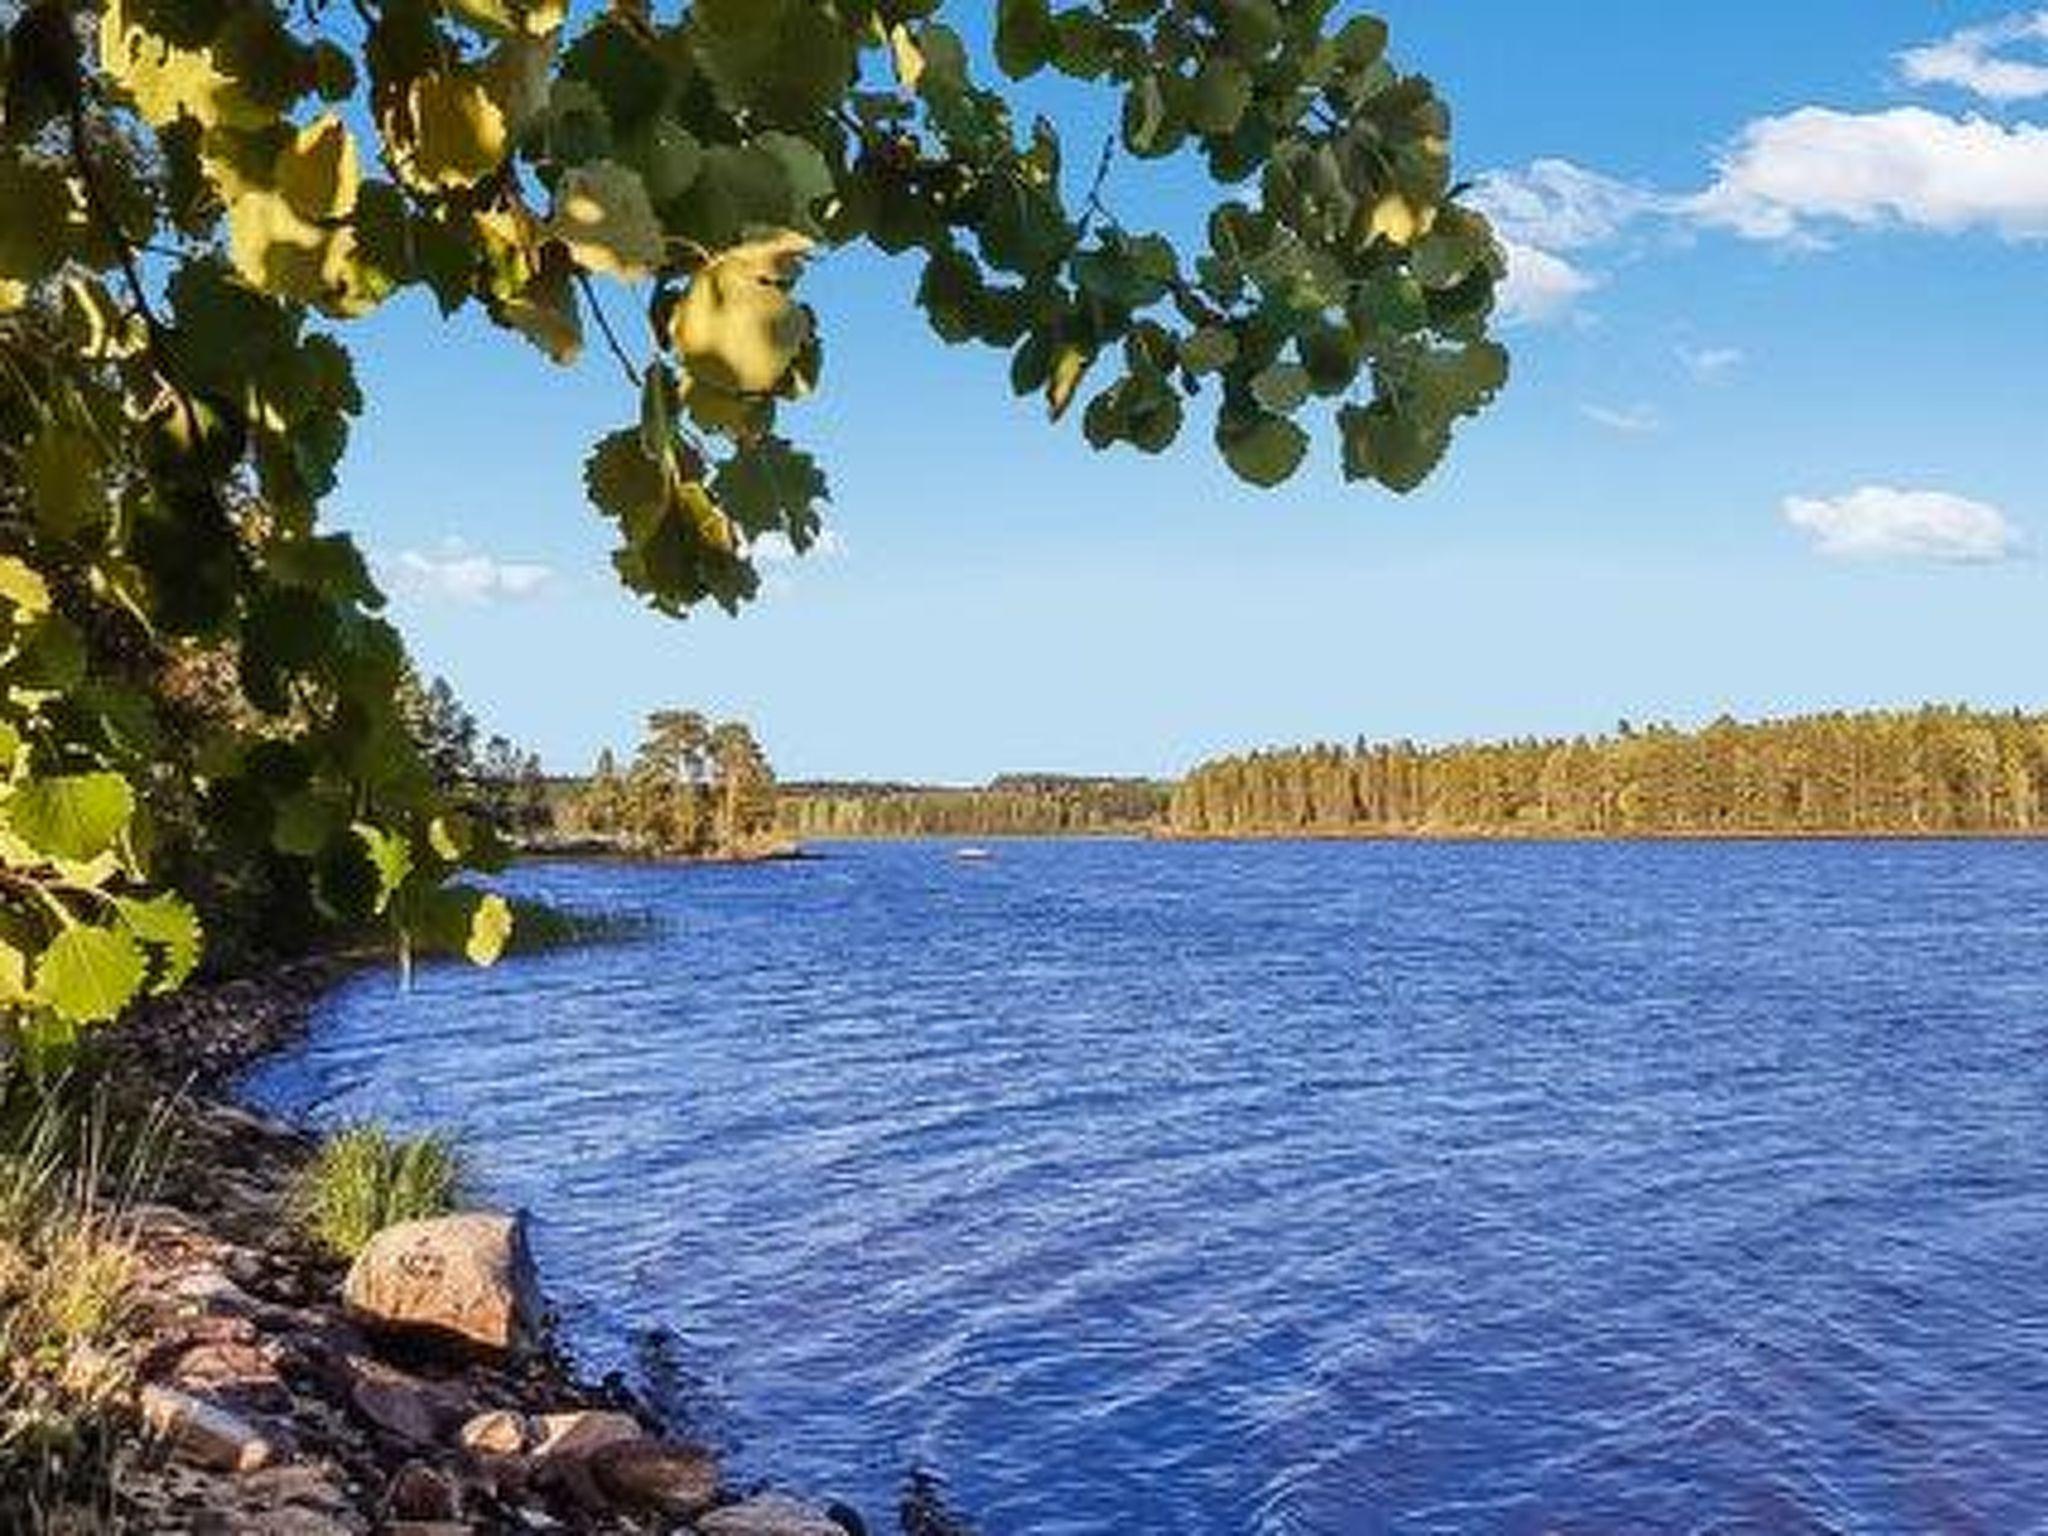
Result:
{"points": [[1287, 1187]]}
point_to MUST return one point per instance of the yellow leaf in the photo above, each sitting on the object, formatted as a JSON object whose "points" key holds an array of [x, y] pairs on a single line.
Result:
{"points": [[318, 173], [14, 987], [12, 295], [908, 56], [273, 247], [96, 324], [603, 216], [167, 82], [737, 327], [545, 312], [1399, 221], [451, 134], [1067, 368], [23, 586]]}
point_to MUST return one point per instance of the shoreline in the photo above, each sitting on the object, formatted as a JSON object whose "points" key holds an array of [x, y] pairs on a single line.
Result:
{"points": [[240, 1316]]}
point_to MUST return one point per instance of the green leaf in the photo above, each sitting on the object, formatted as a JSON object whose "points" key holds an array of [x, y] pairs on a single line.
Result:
{"points": [[390, 856], [1262, 449], [603, 215], [1381, 444], [61, 469], [1024, 37], [787, 61], [88, 975], [167, 922], [74, 817], [1282, 389], [1221, 92]]}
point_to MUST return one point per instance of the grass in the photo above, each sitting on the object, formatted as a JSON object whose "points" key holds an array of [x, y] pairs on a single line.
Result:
{"points": [[68, 1176], [364, 1179]]}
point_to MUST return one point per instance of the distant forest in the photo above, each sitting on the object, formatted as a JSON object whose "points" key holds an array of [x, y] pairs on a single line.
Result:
{"points": [[1014, 805], [1930, 770]]}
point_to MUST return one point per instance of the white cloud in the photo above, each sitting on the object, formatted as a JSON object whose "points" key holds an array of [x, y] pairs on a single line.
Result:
{"points": [[454, 572], [1710, 364], [1906, 166], [775, 548], [1556, 205], [1979, 59], [1540, 286], [1632, 420], [1882, 522], [1550, 207]]}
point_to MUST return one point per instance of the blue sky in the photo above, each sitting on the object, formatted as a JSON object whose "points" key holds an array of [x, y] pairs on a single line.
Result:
{"points": [[1774, 443]]}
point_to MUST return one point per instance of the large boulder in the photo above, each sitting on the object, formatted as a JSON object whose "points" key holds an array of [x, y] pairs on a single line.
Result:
{"points": [[466, 1281]]}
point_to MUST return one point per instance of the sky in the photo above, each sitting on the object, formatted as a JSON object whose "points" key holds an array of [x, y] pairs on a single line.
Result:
{"points": [[1776, 441]]}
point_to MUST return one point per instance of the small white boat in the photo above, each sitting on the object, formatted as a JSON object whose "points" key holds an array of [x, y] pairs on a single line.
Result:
{"points": [[972, 854]]}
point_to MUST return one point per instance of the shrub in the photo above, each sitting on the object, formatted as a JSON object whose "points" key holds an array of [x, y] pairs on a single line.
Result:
{"points": [[365, 1179], [68, 1177]]}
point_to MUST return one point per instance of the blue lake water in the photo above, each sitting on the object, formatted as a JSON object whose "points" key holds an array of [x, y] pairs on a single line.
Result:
{"points": [[1343, 1187]]}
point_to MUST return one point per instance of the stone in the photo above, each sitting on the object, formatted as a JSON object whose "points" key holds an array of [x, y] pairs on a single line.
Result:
{"points": [[399, 1404], [675, 1480], [233, 1373], [419, 1492], [464, 1280], [577, 1435], [769, 1514], [498, 1433], [203, 1432]]}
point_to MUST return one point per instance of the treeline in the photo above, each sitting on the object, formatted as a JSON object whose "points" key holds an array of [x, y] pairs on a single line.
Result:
{"points": [[1930, 770], [1013, 805], [695, 789], [487, 776]]}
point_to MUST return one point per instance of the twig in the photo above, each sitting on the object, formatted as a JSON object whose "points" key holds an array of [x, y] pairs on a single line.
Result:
{"points": [[604, 326]]}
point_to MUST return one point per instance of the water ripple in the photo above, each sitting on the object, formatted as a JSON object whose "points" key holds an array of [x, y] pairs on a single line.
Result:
{"points": [[1291, 1189]]}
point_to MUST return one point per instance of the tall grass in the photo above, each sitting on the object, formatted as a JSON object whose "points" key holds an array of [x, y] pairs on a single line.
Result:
{"points": [[70, 1173], [364, 1179]]}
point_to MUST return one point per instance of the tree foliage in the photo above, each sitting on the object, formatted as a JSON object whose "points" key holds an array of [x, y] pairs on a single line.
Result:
{"points": [[1933, 770], [696, 789], [197, 195], [1011, 805]]}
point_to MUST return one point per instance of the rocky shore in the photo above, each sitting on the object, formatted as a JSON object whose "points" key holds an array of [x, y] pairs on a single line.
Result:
{"points": [[278, 1390]]}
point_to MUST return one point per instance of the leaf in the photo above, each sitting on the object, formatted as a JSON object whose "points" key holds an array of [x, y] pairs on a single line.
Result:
{"points": [[1024, 37], [88, 975], [37, 200], [73, 817], [172, 926], [61, 469], [1210, 349], [390, 855], [737, 327], [1069, 364], [1222, 90], [318, 173], [1380, 444], [452, 134], [546, 313], [1262, 449], [14, 987], [907, 57], [1282, 389], [489, 929], [603, 215], [787, 61]]}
